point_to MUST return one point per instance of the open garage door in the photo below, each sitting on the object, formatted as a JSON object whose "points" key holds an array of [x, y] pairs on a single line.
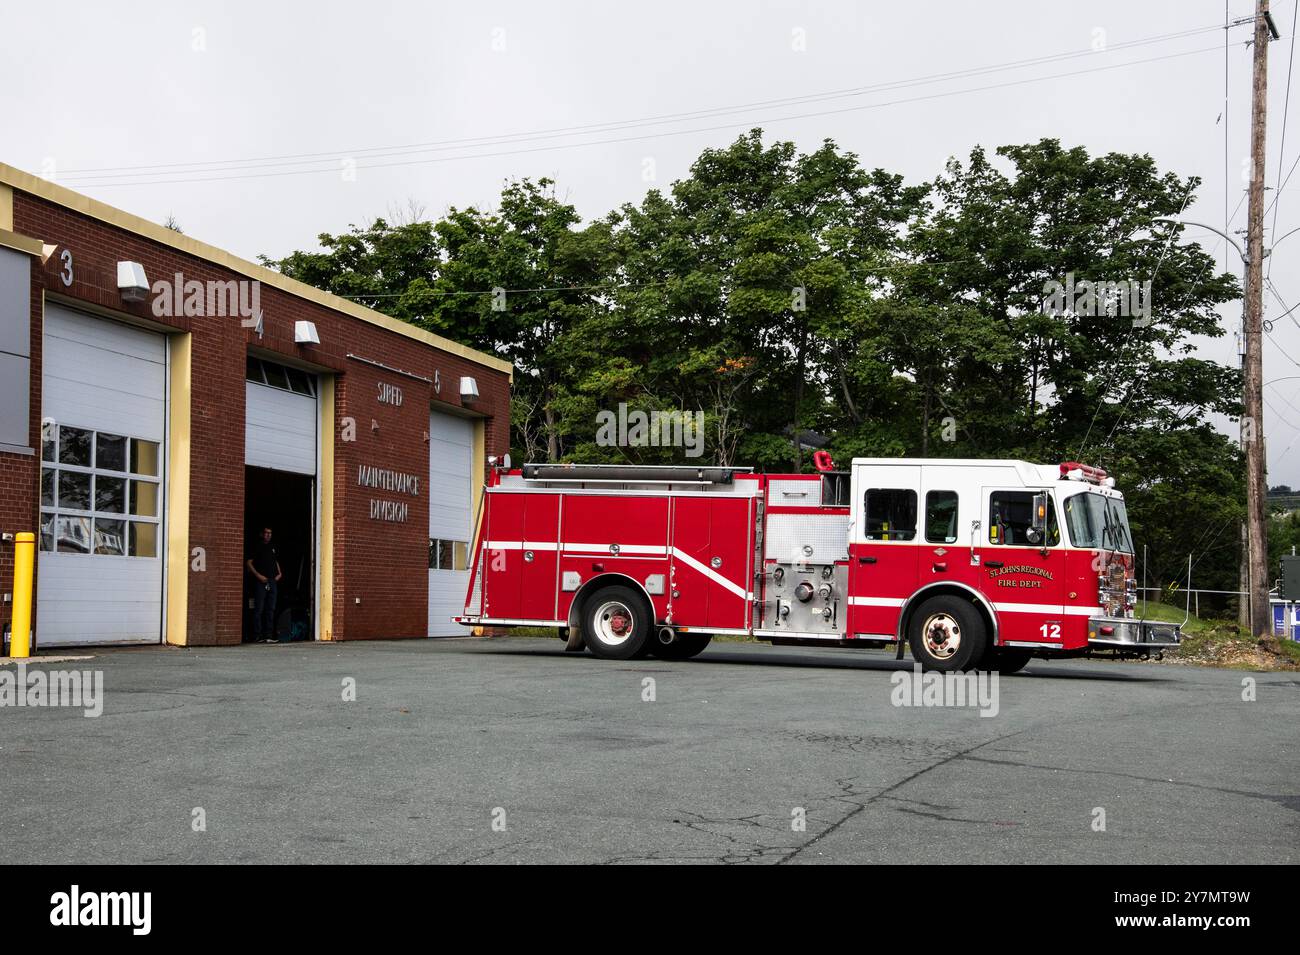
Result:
{"points": [[451, 451], [103, 406], [281, 418]]}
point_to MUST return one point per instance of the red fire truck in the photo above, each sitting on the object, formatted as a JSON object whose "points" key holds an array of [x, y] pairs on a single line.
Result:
{"points": [[970, 563]]}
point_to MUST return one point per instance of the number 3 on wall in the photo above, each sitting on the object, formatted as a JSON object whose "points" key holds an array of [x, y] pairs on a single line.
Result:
{"points": [[65, 275], [1050, 631]]}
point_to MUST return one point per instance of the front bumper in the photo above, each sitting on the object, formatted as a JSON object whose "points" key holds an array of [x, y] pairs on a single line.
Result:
{"points": [[1126, 633]]}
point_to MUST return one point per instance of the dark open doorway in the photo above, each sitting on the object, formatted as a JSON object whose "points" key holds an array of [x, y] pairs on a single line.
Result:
{"points": [[286, 503]]}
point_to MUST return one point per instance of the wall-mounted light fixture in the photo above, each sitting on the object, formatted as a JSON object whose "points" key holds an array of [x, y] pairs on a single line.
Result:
{"points": [[468, 390], [131, 282], [304, 333]]}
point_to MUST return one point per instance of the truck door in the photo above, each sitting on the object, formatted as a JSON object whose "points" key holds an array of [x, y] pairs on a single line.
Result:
{"points": [[712, 552], [519, 565], [538, 566], [1022, 565], [883, 547]]}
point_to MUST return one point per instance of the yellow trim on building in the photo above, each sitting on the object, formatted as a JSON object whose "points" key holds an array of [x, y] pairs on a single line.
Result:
{"points": [[180, 348], [11, 178], [6, 208], [325, 596], [19, 243], [478, 472]]}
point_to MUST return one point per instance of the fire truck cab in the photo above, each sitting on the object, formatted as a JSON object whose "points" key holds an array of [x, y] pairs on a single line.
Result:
{"points": [[970, 563]]}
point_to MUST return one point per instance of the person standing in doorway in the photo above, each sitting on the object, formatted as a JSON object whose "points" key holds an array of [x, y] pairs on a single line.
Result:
{"points": [[264, 565]]}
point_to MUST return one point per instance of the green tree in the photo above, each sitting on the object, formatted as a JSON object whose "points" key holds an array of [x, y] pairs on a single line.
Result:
{"points": [[800, 298]]}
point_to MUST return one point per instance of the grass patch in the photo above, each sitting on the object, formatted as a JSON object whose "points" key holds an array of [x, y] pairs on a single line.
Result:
{"points": [[1221, 643]]}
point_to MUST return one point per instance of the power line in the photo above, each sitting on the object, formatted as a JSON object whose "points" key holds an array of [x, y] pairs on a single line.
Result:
{"points": [[1284, 352], [659, 119], [1285, 402], [1287, 314], [681, 132], [1286, 110], [1101, 400]]}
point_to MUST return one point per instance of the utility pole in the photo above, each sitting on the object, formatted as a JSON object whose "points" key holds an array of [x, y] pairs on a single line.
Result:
{"points": [[1252, 430]]}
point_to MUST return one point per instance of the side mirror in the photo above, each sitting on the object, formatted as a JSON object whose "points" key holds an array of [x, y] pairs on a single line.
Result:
{"points": [[1037, 531]]}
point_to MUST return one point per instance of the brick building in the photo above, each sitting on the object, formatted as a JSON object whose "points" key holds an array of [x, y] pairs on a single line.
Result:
{"points": [[161, 400]]}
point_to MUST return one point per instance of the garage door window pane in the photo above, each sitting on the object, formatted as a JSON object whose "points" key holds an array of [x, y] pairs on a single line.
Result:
{"points": [[144, 539], [47, 532], [49, 442], [74, 446], [48, 477], [110, 537], [72, 535], [444, 555], [110, 494], [74, 491], [110, 452], [461, 555], [144, 498], [298, 381], [144, 457], [275, 376]]}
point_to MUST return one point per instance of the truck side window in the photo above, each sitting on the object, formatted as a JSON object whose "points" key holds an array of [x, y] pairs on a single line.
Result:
{"points": [[890, 514], [941, 517], [1011, 515]]}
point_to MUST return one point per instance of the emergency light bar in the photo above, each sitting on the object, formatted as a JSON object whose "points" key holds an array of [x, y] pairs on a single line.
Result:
{"points": [[1074, 471]]}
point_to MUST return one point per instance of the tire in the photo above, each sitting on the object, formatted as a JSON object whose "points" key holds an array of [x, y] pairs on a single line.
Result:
{"points": [[947, 634], [616, 623], [1007, 662], [686, 645]]}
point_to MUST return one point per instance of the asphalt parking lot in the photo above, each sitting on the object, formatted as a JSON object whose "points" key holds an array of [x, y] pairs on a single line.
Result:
{"points": [[573, 764]]}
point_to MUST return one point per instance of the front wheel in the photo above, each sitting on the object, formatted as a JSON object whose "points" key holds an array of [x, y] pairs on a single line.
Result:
{"points": [[947, 634], [616, 623]]}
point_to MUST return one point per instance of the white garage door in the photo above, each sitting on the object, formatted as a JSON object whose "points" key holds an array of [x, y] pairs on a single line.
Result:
{"points": [[280, 418], [451, 449], [103, 407]]}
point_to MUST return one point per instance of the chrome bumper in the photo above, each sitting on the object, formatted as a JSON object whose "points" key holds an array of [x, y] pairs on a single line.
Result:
{"points": [[1126, 633]]}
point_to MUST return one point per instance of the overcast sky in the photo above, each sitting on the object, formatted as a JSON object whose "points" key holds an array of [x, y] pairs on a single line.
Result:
{"points": [[325, 95]]}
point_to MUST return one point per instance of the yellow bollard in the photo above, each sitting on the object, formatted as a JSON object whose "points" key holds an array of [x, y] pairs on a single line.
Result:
{"points": [[20, 635]]}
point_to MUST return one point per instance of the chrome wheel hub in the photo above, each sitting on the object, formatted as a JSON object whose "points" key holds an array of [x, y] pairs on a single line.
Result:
{"points": [[941, 635], [614, 623]]}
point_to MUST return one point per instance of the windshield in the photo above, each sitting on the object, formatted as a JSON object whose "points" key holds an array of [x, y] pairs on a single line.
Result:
{"points": [[1098, 522]]}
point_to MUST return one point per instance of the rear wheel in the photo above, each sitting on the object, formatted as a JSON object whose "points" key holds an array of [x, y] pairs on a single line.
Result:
{"points": [[686, 645], [947, 634], [616, 623]]}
